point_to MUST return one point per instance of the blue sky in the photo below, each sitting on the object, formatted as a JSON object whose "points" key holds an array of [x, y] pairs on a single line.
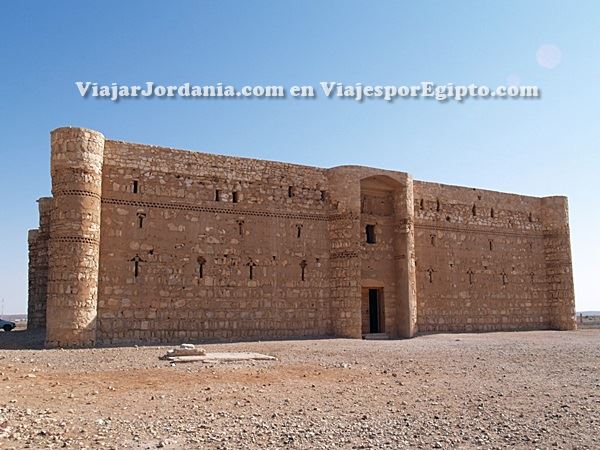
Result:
{"points": [[542, 147]]}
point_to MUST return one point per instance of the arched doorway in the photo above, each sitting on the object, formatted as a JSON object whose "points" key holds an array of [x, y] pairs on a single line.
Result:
{"points": [[385, 258]]}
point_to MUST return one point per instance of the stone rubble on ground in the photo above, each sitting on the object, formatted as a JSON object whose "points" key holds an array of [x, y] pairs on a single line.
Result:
{"points": [[187, 353]]}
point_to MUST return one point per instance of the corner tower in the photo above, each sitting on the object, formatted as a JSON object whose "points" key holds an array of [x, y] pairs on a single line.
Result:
{"points": [[559, 271], [74, 245], [38, 267]]}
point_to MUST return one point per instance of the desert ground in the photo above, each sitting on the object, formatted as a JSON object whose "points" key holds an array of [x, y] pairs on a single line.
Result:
{"points": [[495, 390]]}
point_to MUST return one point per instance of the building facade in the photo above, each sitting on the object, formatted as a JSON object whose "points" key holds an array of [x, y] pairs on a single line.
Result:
{"points": [[140, 243]]}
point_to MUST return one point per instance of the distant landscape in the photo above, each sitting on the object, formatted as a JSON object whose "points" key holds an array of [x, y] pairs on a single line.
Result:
{"points": [[588, 319], [14, 317]]}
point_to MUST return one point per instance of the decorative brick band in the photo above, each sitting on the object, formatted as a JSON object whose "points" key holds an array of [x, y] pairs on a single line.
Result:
{"points": [[76, 192], [211, 209], [343, 216], [560, 263], [344, 254], [557, 234], [76, 239], [472, 230]]}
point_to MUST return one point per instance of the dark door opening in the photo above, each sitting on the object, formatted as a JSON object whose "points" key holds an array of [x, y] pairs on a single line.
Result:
{"points": [[374, 311]]}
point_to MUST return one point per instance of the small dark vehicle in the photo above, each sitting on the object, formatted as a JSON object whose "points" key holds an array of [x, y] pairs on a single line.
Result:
{"points": [[7, 325]]}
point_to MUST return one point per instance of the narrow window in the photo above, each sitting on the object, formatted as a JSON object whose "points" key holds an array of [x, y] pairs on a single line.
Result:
{"points": [[303, 265], [422, 204], [241, 227], [290, 191], [432, 240], [430, 274], [141, 217], [504, 278], [438, 205], [201, 262], [323, 196], [298, 231], [250, 265], [530, 217], [234, 197], [370, 232], [474, 210], [470, 273], [136, 265], [135, 186], [217, 195], [492, 213], [491, 245]]}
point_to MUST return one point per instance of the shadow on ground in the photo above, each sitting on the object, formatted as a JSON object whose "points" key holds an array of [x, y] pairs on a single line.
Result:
{"points": [[21, 339]]}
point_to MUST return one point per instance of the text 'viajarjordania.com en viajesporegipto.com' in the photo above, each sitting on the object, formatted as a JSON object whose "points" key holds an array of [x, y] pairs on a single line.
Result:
{"points": [[329, 89]]}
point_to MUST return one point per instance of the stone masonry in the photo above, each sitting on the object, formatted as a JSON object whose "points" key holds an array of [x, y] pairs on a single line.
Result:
{"points": [[143, 244]]}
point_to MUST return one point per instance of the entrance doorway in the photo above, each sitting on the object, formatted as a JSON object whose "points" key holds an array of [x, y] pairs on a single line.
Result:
{"points": [[373, 316]]}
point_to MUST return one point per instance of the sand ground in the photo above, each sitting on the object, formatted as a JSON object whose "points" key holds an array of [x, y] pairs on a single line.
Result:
{"points": [[495, 390]]}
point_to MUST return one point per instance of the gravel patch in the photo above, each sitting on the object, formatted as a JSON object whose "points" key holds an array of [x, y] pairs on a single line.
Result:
{"points": [[495, 390]]}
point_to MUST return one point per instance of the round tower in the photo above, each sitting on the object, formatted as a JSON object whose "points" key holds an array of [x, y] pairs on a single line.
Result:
{"points": [[74, 246], [559, 266]]}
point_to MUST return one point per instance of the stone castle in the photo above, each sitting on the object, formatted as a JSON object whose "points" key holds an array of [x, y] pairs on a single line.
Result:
{"points": [[140, 243]]}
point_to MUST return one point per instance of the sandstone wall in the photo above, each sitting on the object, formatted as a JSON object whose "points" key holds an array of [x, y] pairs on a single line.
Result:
{"points": [[149, 244], [482, 260], [220, 243]]}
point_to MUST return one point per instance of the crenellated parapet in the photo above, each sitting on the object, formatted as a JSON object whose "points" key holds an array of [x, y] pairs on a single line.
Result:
{"points": [[74, 245]]}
